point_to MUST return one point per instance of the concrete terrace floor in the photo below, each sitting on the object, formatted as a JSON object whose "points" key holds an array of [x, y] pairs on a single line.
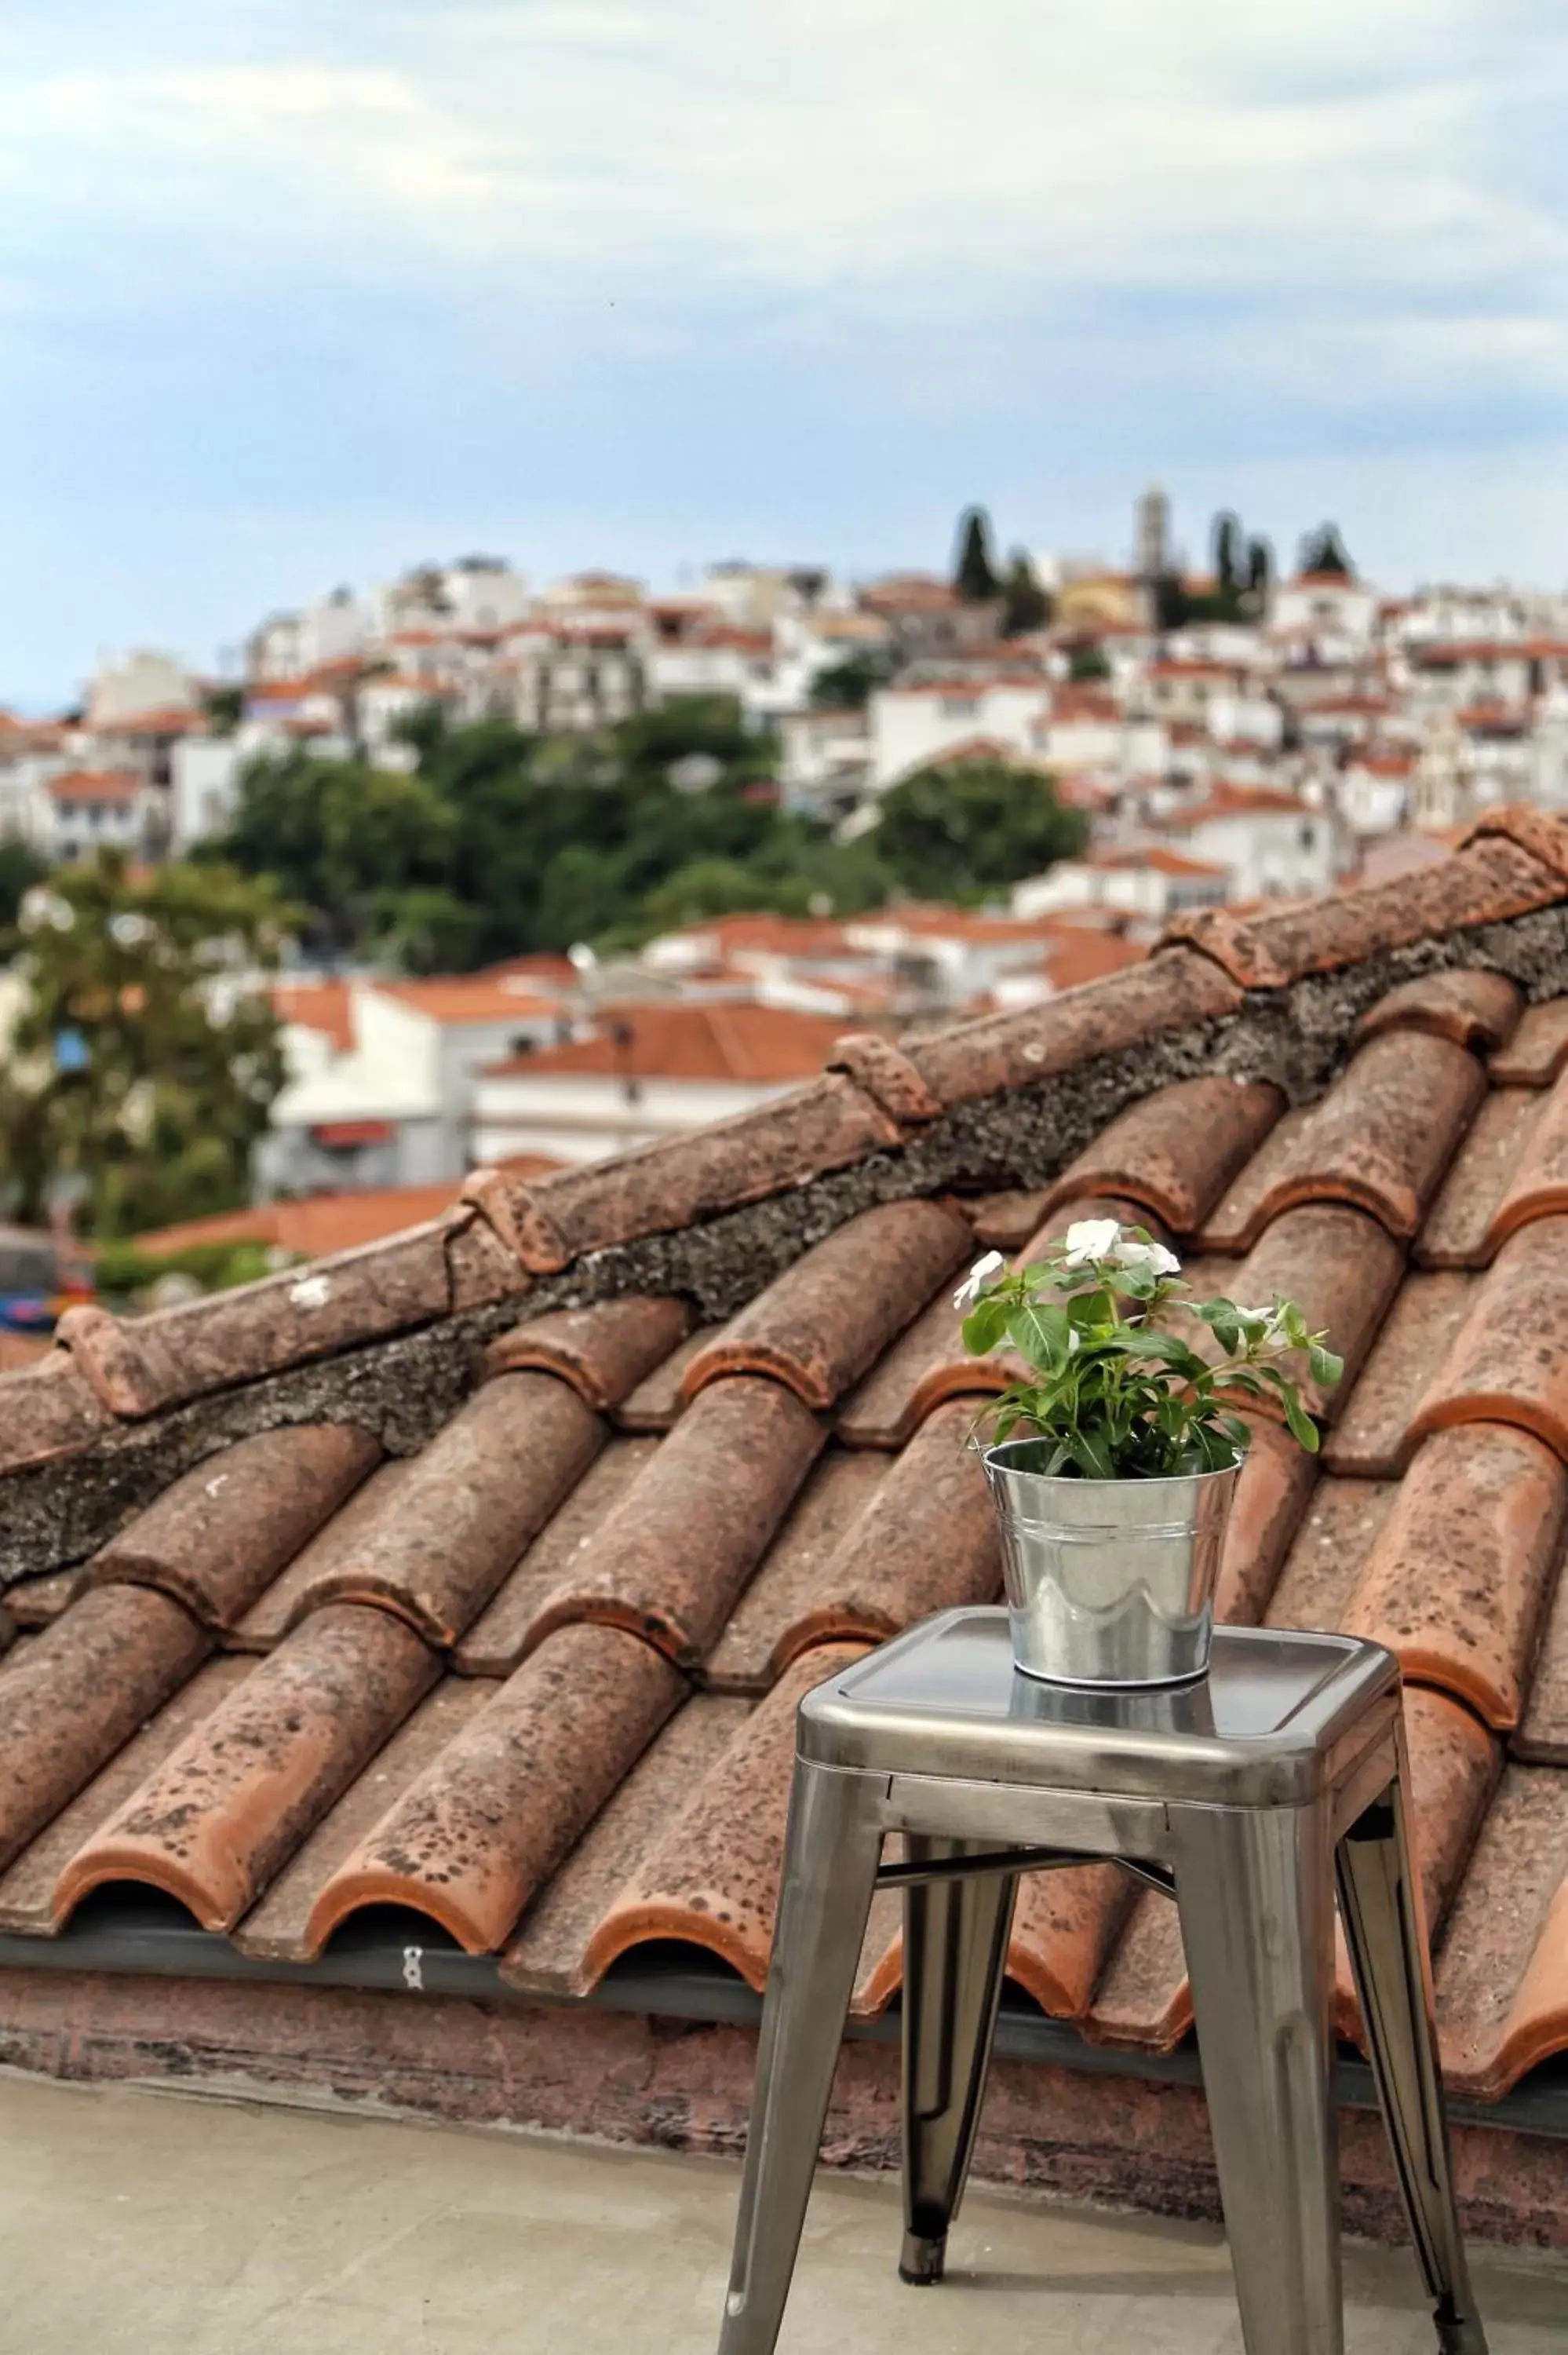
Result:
{"points": [[132, 2223]]}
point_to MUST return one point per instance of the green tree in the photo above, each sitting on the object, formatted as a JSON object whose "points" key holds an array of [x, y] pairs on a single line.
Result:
{"points": [[20, 869], [142, 1067], [224, 706], [1229, 556], [341, 839], [1172, 604], [1086, 663], [1324, 551], [1025, 606], [849, 685], [972, 826], [1259, 573], [974, 574]]}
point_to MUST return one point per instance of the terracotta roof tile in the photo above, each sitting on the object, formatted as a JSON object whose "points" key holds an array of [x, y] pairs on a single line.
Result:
{"points": [[278, 1929], [1540, 832], [432, 1539], [38, 1602], [1541, 1738], [1502, 1972], [885, 1072], [1382, 1136], [1478, 1010], [1336, 1535], [1487, 1504], [549, 1953], [1374, 1437], [1005, 1221], [1174, 1152], [213, 1824], [1488, 1375], [27, 1889], [1174, 991], [1271, 1495], [1458, 1230], [822, 1126], [1341, 1268], [924, 1541], [1063, 1926], [498, 1809], [668, 1560], [1538, 1051], [796, 1573], [712, 1879], [48, 1409], [499, 1636], [604, 1352], [175, 1354], [215, 1539], [1454, 1768], [1486, 884], [1144, 1998], [73, 1695], [826, 1318], [927, 1365], [655, 1404], [1237, 1217], [1539, 1184]]}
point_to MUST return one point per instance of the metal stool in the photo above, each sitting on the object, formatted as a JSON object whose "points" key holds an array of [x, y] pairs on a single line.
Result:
{"points": [[1246, 1796]]}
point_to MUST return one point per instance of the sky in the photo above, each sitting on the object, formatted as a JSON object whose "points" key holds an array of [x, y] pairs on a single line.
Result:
{"points": [[296, 294]]}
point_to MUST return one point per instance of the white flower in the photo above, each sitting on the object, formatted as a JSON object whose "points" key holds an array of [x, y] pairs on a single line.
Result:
{"points": [[129, 929], [1102, 1240], [1153, 1256], [1092, 1239], [977, 1280]]}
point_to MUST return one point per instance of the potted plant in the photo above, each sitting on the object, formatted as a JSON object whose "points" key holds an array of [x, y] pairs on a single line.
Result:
{"points": [[1114, 1458]]}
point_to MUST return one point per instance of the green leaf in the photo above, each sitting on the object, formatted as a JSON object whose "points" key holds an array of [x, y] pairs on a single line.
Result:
{"points": [[1327, 1368], [1090, 1450], [985, 1326], [1303, 1430], [1038, 1331]]}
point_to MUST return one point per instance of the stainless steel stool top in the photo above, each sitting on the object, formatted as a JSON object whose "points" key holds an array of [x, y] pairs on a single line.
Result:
{"points": [[1278, 1718]]}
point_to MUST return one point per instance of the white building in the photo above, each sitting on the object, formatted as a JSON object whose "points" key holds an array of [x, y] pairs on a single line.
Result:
{"points": [[137, 684], [1325, 607], [83, 810], [909, 725], [1273, 844], [1146, 880], [382, 1077]]}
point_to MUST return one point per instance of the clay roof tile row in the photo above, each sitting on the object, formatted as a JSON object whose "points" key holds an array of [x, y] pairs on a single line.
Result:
{"points": [[523, 1653]]}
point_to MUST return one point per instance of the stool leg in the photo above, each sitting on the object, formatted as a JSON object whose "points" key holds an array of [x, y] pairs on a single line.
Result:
{"points": [[1255, 1890], [955, 1945], [1381, 1906], [830, 1857]]}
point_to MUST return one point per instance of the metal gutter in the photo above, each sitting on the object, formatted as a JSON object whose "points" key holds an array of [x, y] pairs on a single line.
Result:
{"points": [[133, 1934]]}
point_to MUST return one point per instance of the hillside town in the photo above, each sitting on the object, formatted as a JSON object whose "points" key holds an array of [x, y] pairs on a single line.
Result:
{"points": [[1215, 739]]}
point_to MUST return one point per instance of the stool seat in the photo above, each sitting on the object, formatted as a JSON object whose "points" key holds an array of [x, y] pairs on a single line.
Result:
{"points": [[1276, 1720], [1253, 1797]]}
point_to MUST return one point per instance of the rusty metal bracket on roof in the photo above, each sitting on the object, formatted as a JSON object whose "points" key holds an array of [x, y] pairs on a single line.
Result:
{"points": [[1017, 1859]]}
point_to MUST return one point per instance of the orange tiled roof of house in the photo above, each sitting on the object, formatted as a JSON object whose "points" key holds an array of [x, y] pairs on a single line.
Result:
{"points": [[468, 997], [116, 786], [320, 1225], [323, 1006], [479, 1573], [722, 1039]]}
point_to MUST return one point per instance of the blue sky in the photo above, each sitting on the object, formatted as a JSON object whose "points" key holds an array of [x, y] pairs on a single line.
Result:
{"points": [[296, 294]]}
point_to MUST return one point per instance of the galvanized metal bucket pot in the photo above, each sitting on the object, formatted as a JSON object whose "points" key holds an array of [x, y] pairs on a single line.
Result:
{"points": [[1108, 1581]]}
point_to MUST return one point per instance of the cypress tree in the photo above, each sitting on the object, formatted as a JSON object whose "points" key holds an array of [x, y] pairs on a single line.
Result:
{"points": [[974, 576]]}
